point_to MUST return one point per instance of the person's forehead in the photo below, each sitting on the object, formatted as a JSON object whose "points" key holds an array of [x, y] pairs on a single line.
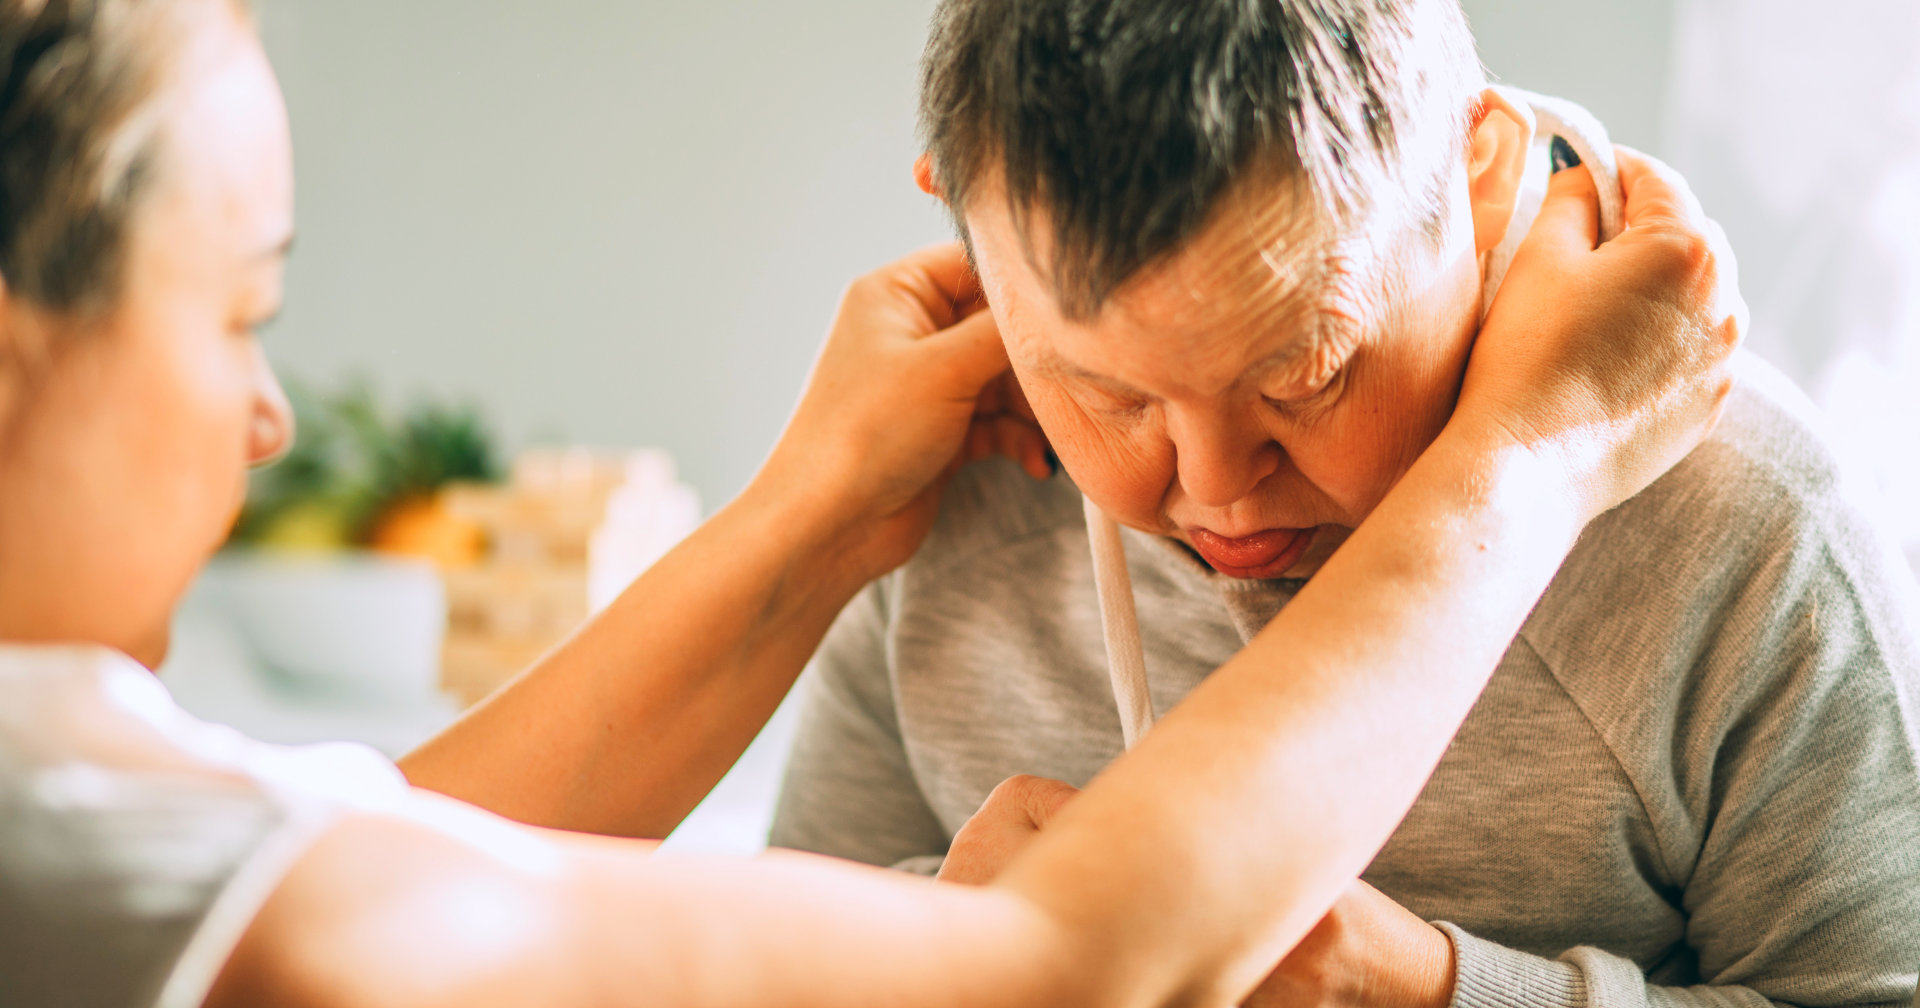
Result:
{"points": [[1251, 291], [225, 146], [1261, 237]]}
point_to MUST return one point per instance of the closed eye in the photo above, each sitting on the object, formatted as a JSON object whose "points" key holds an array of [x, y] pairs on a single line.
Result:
{"points": [[1114, 405], [1317, 396]]}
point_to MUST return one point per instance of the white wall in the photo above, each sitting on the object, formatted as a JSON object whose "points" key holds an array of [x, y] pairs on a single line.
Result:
{"points": [[628, 223], [622, 223], [1614, 57]]}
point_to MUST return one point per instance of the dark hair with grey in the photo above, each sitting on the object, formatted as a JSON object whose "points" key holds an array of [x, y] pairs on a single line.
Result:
{"points": [[77, 145], [1126, 122]]}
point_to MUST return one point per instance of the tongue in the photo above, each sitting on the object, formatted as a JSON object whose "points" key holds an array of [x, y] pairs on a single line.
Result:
{"points": [[1257, 550]]}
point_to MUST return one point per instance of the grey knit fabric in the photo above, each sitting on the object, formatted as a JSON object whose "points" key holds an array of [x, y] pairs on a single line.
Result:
{"points": [[1692, 780]]}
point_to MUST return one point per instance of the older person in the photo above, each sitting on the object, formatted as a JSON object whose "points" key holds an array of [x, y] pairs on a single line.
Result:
{"points": [[146, 858], [1235, 250]]}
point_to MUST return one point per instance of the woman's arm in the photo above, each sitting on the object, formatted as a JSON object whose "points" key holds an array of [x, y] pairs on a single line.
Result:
{"points": [[624, 728], [1188, 868], [1257, 801], [1164, 883]]}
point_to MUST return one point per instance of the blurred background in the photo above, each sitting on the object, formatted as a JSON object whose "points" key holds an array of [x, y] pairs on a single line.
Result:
{"points": [[562, 268]]}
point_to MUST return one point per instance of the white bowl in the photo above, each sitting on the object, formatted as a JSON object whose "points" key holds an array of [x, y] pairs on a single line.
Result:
{"points": [[356, 625]]}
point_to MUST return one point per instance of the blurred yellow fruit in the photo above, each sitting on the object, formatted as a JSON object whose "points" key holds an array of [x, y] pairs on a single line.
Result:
{"points": [[309, 527]]}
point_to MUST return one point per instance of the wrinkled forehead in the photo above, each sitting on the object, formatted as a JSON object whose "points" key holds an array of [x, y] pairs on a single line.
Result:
{"points": [[1266, 264]]}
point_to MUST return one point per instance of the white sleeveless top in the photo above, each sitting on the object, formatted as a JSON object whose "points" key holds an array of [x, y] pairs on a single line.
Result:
{"points": [[137, 842]]}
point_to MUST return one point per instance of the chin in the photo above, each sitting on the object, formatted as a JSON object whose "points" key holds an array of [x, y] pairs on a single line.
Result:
{"points": [[152, 650]]}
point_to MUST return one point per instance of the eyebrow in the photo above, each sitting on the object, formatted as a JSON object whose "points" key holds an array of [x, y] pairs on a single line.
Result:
{"points": [[1057, 366], [1054, 365], [1287, 355], [1300, 282]]}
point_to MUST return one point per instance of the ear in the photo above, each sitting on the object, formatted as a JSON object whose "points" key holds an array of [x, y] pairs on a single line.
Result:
{"points": [[1500, 137], [923, 177]]}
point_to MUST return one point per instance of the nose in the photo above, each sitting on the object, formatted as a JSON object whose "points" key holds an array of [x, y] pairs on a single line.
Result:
{"points": [[1221, 456], [271, 432]]}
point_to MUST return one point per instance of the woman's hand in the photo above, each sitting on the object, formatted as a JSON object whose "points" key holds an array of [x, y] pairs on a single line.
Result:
{"points": [[912, 383], [627, 726], [1620, 401], [1011, 817]]}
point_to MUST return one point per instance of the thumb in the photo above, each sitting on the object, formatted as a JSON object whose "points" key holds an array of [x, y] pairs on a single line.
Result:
{"points": [[1569, 219], [1045, 798], [972, 351]]}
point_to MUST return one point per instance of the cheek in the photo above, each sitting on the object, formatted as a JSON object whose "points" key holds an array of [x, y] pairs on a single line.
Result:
{"points": [[1124, 466], [134, 459], [202, 397], [229, 387], [1397, 405]]}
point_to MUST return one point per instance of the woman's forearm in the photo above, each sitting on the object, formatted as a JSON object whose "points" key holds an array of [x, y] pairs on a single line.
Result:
{"points": [[1412, 613], [625, 727], [629, 724], [435, 906], [1276, 781], [1183, 873], [1191, 904]]}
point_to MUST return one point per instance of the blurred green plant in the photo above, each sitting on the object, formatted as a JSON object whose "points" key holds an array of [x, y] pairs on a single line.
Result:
{"points": [[353, 462]]}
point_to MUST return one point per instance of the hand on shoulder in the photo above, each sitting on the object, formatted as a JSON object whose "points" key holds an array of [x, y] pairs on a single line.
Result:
{"points": [[1613, 360]]}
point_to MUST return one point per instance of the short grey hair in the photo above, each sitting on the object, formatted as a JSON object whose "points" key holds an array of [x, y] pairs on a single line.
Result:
{"points": [[1128, 121]]}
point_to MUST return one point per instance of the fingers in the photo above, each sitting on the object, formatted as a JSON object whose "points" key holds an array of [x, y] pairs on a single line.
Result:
{"points": [[1009, 436], [1656, 194], [1046, 798], [1569, 219], [973, 351], [1658, 197], [1039, 798], [944, 264], [941, 277], [1003, 423], [1024, 443]]}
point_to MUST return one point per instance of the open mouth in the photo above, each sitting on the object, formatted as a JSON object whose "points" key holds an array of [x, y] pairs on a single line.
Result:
{"points": [[1265, 554]]}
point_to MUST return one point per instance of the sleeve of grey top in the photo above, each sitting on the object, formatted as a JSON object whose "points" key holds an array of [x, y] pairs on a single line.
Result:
{"points": [[1796, 741], [850, 791]]}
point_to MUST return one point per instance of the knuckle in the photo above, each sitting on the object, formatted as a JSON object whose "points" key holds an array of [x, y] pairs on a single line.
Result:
{"points": [[1015, 786], [1694, 252], [1685, 258], [1729, 333], [866, 286]]}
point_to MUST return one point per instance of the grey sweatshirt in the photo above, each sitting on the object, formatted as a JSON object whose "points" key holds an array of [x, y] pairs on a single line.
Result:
{"points": [[1692, 779]]}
